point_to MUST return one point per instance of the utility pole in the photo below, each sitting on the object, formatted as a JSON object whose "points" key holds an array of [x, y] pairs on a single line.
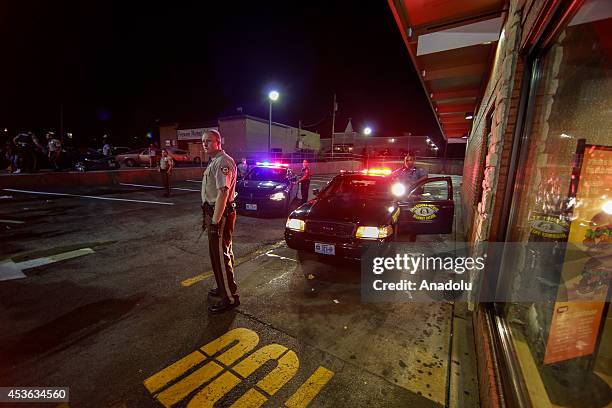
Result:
{"points": [[62, 123], [299, 138], [334, 109]]}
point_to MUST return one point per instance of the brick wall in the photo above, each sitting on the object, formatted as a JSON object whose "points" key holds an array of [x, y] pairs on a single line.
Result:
{"points": [[487, 384]]}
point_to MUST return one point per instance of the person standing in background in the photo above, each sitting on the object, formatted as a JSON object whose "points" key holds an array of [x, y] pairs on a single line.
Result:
{"points": [[166, 164], [304, 180]]}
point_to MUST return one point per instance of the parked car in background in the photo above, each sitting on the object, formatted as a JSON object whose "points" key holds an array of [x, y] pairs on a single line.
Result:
{"points": [[268, 188], [115, 150], [86, 159], [181, 156], [135, 158]]}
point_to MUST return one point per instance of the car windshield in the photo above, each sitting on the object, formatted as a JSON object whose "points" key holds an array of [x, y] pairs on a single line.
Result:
{"points": [[358, 186], [267, 174]]}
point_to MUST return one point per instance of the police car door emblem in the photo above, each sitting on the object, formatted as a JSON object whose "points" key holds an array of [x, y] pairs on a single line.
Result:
{"points": [[424, 211]]}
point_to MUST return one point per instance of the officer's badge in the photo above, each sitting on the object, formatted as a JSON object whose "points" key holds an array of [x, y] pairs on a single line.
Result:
{"points": [[225, 170]]}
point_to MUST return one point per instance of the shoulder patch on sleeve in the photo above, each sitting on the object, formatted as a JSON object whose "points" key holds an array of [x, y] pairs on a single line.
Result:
{"points": [[225, 170]]}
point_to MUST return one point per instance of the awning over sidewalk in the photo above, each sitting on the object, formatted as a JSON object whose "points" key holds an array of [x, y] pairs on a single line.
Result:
{"points": [[452, 45]]}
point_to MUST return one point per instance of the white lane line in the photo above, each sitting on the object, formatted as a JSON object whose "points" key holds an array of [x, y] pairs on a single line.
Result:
{"points": [[34, 263], [194, 181], [86, 196], [11, 222], [270, 254], [158, 187], [10, 270]]}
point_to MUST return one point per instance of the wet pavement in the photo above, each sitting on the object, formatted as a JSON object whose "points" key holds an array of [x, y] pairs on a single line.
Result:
{"points": [[126, 324]]}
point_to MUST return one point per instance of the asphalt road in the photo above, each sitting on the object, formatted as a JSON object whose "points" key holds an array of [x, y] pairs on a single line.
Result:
{"points": [[114, 293]]}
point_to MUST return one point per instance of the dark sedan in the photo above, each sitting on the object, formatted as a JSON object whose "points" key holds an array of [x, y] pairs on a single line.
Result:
{"points": [[266, 189], [368, 207], [85, 159]]}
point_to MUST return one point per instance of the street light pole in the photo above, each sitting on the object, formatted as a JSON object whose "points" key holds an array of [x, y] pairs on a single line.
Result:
{"points": [[270, 130], [272, 96]]}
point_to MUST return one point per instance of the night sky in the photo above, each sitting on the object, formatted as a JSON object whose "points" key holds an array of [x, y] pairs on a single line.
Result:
{"points": [[119, 69]]}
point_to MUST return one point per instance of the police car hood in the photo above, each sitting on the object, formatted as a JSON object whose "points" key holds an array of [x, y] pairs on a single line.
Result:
{"points": [[254, 185], [258, 188], [347, 208]]}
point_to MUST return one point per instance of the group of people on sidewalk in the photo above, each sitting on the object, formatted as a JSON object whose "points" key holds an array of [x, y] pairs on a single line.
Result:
{"points": [[23, 152]]}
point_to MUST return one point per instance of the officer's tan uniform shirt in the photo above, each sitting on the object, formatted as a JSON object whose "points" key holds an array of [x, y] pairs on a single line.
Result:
{"points": [[221, 172]]}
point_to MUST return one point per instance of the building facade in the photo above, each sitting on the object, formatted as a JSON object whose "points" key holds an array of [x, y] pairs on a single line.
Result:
{"points": [[242, 136], [538, 179]]}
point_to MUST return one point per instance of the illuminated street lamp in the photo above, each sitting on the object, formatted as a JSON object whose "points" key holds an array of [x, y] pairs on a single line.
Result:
{"points": [[367, 131], [272, 97]]}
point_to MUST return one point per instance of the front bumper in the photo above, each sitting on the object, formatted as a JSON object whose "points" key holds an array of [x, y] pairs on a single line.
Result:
{"points": [[344, 248], [264, 205]]}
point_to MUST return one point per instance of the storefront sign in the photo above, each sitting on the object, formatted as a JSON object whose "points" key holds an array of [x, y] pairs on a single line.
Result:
{"points": [[191, 134], [577, 314]]}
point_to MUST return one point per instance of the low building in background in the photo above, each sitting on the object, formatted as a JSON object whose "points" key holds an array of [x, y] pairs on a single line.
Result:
{"points": [[243, 136]]}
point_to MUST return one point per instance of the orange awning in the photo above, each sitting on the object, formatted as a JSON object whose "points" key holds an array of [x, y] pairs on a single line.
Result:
{"points": [[452, 46]]}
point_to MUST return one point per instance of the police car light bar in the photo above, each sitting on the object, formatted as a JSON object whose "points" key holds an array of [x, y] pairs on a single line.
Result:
{"points": [[268, 164], [378, 172]]}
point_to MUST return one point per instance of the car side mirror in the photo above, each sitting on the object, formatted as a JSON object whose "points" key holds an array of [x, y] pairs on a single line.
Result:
{"points": [[316, 191]]}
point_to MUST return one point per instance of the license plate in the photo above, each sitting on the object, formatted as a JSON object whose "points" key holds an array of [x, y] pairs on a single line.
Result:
{"points": [[325, 249], [251, 207]]}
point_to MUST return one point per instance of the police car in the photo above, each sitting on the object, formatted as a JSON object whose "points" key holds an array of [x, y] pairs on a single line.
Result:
{"points": [[268, 188], [369, 206]]}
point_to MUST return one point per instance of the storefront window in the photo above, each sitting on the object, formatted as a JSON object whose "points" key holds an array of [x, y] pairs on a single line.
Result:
{"points": [[562, 214]]}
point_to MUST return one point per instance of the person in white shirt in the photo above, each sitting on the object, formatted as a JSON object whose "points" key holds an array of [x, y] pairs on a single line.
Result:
{"points": [[166, 164], [54, 148]]}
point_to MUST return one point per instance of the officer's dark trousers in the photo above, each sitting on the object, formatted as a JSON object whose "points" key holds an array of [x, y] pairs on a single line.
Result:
{"points": [[305, 186], [222, 256], [166, 180]]}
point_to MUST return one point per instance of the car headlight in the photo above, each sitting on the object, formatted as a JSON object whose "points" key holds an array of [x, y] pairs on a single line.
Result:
{"points": [[374, 232], [277, 196], [295, 224], [398, 189]]}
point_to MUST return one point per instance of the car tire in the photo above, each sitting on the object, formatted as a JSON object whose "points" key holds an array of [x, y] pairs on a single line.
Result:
{"points": [[129, 163]]}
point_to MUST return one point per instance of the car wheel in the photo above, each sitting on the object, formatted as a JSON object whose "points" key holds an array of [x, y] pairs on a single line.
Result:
{"points": [[129, 163]]}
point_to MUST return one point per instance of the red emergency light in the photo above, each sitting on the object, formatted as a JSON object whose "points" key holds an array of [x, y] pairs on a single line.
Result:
{"points": [[376, 172], [268, 164]]}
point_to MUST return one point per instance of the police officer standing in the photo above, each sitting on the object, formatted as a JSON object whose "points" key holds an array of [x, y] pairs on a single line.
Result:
{"points": [[304, 180], [219, 218], [410, 175], [243, 168]]}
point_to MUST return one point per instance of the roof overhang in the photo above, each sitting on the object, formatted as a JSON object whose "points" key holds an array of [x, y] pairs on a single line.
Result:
{"points": [[452, 46]]}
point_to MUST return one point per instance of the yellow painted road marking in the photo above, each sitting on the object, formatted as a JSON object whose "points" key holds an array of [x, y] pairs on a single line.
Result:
{"points": [[248, 366], [246, 258], [236, 343], [185, 387], [247, 340], [157, 381], [196, 279], [281, 374], [214, 391], [307, 391], [251, 399]]}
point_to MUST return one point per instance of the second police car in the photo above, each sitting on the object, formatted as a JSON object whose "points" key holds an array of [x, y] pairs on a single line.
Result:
{"points": [[267, 189], [367, 206]]}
